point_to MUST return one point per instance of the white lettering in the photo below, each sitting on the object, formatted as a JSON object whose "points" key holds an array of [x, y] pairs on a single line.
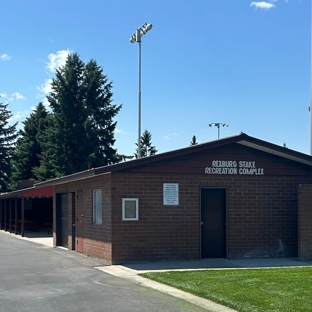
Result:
{"points": [[210, 170], [255, 171], [247, 164], [246, 167], [224, 164]]}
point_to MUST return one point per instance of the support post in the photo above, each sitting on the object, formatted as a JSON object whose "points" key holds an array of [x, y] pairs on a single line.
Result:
{"points": [[5, 214], [22, 216], [15, 222], [10, 215]]}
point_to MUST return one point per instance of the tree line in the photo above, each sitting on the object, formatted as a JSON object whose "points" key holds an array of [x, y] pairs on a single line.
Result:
{"points": [[75, 134]]}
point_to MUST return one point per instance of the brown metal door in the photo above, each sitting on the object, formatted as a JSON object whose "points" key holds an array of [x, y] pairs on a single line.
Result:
{"points": [[64, 220], [79, 239], [213, 228], [73, 210]]}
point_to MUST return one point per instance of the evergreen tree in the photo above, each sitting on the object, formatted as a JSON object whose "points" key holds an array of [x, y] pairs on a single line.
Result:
{"points": [[28, 149], [47, 157], [66, 101], [147, 149], [81, 101], [8, 135], [193, 141], [99, 125]]}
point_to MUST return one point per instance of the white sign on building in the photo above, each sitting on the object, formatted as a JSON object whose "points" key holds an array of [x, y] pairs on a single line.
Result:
{"points": [[171, 194]]}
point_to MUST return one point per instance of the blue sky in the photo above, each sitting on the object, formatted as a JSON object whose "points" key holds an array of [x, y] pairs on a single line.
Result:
{"points": [[241, 62]]}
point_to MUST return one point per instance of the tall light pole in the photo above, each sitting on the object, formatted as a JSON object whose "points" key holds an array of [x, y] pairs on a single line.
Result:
{"points": [[218, 125], [136, 37]]}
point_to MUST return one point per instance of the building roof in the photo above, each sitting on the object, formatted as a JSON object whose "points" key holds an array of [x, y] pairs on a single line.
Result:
{"points": [[34, 191], [242, 139]]}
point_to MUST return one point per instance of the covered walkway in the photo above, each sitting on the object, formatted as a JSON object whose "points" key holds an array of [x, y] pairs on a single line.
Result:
{"points": [[27, 209]]}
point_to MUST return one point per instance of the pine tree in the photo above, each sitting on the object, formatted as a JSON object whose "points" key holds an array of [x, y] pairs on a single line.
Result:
{"points": [[147, 149], [193, 141], [99, 125], [81, 99], [47, 158], [66, 101], [8, 135], [28, 149]]}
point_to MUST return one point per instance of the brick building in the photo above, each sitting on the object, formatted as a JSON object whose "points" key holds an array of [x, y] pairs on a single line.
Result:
{"points": [[234, 197]]}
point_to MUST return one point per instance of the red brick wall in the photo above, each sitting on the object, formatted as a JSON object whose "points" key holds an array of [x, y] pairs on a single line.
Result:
{"points": [[305, 222], [162, 232], [96, 238], [262, 216], [262, 210]]}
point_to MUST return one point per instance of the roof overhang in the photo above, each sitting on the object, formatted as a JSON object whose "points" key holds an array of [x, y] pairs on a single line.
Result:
{"points": [[282, 152], [39, 192], [33, 192], [46, 188]]}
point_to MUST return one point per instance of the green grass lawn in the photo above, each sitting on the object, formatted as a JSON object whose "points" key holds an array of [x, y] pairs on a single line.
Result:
{"points": [[246, 290]]}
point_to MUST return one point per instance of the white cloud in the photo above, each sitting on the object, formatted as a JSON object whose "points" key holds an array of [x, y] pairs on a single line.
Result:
{"points": [[120, 131], [57, 60], [18, 96], [46, 88], [5, 57], [12, 97], [3, 98], [263, 5], [170, 135], [19, 115]]}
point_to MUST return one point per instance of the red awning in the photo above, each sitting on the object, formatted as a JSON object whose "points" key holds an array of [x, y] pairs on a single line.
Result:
{"points": [[39, 192]]}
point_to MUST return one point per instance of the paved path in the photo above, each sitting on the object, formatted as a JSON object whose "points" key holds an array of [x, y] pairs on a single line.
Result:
{"points": [[38, 278], [119, 288]]}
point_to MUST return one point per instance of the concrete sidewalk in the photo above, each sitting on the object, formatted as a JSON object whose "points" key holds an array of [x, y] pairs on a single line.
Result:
{"points": [[206, 264], [128, 273], [41, 237], [131, 271]]}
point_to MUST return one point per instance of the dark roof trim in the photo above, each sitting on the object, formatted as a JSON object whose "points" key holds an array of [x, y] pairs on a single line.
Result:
{"points": [[69, 178], [46, 191], [167, 155], [291, 155], [242, 138], [43, 185], [277, 150], [13, 194], [33, 191]]}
